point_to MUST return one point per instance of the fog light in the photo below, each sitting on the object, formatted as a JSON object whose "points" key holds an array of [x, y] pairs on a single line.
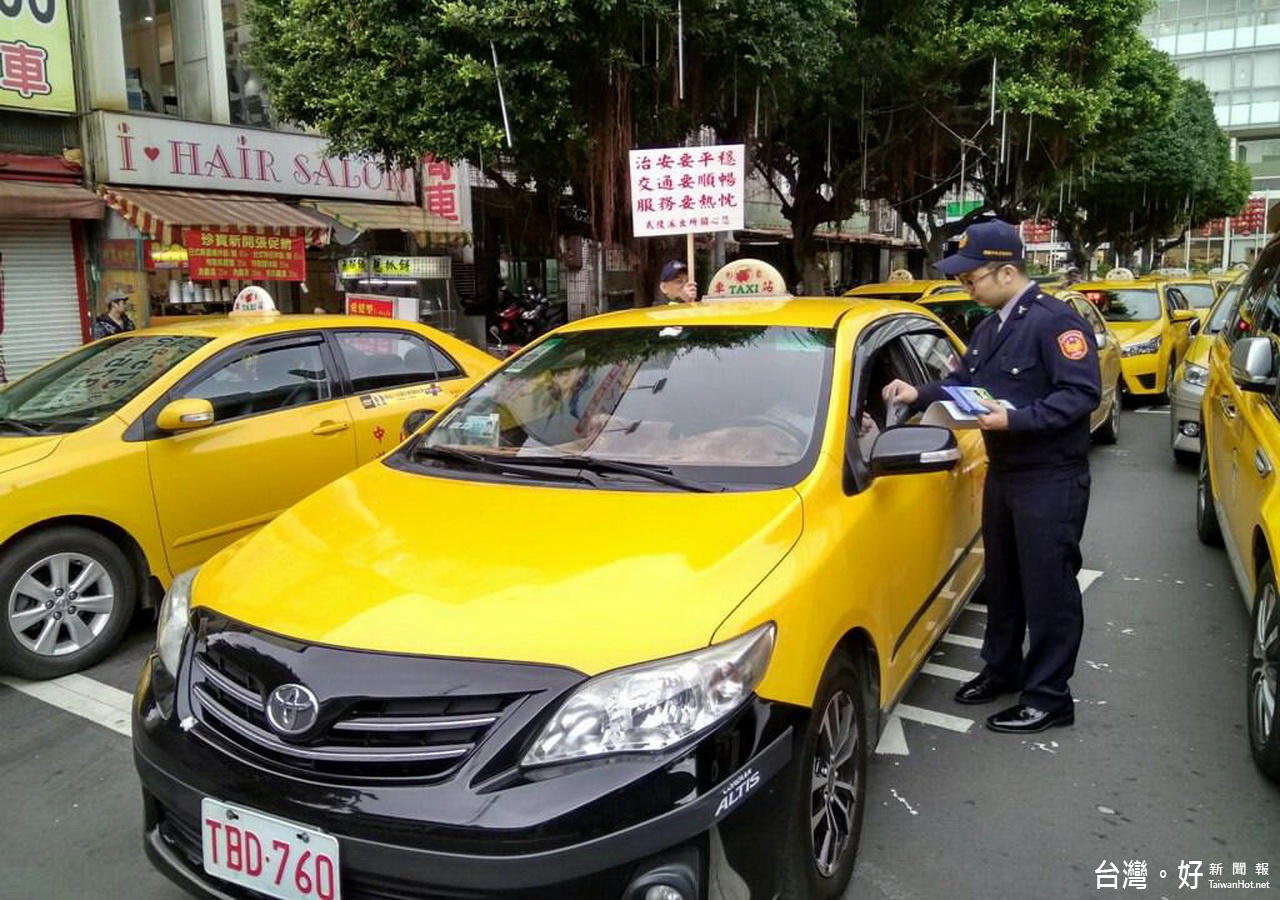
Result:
{"points": [[664, 892], [1190, 429]]}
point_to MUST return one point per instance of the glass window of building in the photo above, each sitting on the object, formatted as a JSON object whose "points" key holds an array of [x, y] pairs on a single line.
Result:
{"points": [[151, 78], [244, 87]]}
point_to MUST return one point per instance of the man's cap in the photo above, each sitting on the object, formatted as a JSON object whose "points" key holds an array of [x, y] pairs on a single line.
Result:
{"points": [[673, 268], [116, 295], [983, 243]]}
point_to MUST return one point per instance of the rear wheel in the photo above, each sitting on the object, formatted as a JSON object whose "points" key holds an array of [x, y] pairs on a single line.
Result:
{"points": [[1264, 676], [1206, 516], [826, 821], [1109, 431], [68, 595]]}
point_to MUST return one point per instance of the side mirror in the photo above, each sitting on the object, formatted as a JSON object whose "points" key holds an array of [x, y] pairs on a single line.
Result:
{"points": [[1195, 327], [910, 449], [1185, 315], [1100, 338], [187, 414], [1253, 365], [414, 421]]}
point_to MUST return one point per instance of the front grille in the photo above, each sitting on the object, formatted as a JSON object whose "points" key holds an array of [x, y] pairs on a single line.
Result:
{"points": [[422, 738], [1148, 382]]}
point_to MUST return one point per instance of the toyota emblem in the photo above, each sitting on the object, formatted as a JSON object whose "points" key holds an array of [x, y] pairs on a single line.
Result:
{"points": [[292, 709]]}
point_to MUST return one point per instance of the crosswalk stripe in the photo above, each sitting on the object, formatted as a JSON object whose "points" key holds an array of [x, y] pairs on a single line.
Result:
{"points": [[929, 717], [948, 672], [961, 640], [81, 696]]}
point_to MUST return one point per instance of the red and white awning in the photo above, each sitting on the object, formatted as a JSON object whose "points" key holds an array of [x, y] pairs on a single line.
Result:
{"points": [[163, 214]]}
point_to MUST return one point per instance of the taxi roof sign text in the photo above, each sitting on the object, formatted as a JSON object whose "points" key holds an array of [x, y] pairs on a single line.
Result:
{"points": [[748, 279], [254, 301]]}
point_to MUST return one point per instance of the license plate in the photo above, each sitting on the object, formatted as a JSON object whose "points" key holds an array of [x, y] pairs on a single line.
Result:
{"points": [[272, 856]]}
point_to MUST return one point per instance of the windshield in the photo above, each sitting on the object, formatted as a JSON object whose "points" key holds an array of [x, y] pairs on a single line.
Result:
{"points": [[726, 404], [1200, 296], [92, 383], [961, 316], [1127, 305], [1223, 312]]}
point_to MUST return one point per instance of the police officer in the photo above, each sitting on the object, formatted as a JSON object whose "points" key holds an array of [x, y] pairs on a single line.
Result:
{"points": [[1038, 354]]}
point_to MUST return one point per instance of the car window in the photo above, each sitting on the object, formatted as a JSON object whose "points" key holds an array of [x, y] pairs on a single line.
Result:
{"points": [[93, 382], [1257, 308], [1174, 299], [1090, 315], [936, 353], [266, 381], [739, 404], [890, 362], [1224, 310], [445, 366], [1127, 304], [961, 316], [377, 360], [1200, 296]]}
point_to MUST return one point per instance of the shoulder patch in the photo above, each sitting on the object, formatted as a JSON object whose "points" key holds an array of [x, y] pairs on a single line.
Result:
{"points": [[1073, 345]]}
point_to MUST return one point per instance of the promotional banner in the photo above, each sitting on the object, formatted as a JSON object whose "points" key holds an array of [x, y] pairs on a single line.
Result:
{"points": [[687, 190], [219, 255], [35, 56]]}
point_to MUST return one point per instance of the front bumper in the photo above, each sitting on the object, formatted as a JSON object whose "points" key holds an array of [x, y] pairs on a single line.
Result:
{"points": [[1141, 374], [708, 809], [1184, 415]]}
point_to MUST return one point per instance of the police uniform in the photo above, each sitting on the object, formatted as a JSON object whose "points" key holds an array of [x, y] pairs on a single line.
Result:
{"points": [[1043, 359]]}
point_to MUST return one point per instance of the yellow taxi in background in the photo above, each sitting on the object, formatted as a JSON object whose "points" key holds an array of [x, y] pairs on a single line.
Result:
{"points": [[1152, 321], [671, 677], [1200, 293], [1187, 393], [906, 290], [1238, 498], [962, 314], [138, 456]]}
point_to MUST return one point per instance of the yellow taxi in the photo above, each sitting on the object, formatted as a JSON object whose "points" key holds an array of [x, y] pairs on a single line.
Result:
{"points": [[906, 289], [962, 314], [1237, 499], [1200, 293], [139, 456], [663, 668], [1187, 393], [1152, 321]]}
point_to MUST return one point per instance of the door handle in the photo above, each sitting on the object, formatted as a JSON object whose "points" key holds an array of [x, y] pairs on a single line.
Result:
{"points": [[1228, 408], [330, 427]]}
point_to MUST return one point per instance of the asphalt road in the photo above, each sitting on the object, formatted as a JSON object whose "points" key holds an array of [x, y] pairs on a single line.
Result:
{"points": [[1156, 769]]}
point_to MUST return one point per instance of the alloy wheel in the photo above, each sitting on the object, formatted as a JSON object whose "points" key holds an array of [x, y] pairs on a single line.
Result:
{"points": [[1264, 666], [61, 604], [833, 785]]}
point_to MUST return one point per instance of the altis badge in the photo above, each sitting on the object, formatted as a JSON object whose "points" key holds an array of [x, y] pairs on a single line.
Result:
{"points": [[1073, 345]]}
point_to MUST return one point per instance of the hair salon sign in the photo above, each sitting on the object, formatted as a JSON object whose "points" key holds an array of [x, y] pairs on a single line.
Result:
{"points": [[161, 152]]}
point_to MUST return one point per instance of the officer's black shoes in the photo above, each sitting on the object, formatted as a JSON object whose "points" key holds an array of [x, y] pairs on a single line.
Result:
{"points": [[983, 689], [1023, 719]]}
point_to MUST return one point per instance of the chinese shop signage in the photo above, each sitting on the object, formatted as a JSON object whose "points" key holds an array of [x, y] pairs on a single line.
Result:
{"points": [[686, 190], [371, 305], [35, 55], [221, 255]]}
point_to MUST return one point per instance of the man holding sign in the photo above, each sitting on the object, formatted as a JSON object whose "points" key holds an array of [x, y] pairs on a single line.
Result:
{"points": [[675, 284]]}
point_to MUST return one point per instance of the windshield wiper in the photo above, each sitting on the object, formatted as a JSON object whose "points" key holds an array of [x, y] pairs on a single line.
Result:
{"points": [[24, 427], [660, 474], [481, 461]]}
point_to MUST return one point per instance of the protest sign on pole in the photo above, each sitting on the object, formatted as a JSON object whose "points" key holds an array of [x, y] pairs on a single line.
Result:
{"points": [[688, 190]]}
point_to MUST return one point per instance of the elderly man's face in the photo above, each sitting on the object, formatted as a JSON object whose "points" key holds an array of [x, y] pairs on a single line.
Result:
{"points": [[672, 289]]}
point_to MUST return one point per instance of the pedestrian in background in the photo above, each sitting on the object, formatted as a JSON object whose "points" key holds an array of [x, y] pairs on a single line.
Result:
{"points": [[1038, 354], [116, 319], [675, 284]]}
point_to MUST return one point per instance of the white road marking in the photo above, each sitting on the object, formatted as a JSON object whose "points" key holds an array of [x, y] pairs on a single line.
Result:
{"points": [[893, 740], [1153, 411], [948, 672], [1086, 577], [929, 717], [81, 696], [979, 608], [961, 640]]}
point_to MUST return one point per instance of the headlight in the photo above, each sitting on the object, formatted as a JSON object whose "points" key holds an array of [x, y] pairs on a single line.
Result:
{"points": [[1195, 375], [1141, 348], [654, 705], [171, 627]]}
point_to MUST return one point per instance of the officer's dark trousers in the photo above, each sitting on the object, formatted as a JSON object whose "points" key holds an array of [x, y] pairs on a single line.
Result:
{"points": [[1031, 527]]}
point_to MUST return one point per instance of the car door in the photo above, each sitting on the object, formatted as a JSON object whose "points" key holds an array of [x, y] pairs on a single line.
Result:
{"points": [[1176, 302], [389, 374], [933, 518], [280, 431], [1108, 357]]}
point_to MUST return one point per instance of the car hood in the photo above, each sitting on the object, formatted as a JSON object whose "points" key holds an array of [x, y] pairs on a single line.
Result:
{"points": [[1133, 332], [390, 561], [17, 451]]}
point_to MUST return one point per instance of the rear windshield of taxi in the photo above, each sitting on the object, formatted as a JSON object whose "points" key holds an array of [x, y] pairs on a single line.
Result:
{"points": [[1126, 304], [734, 406]]}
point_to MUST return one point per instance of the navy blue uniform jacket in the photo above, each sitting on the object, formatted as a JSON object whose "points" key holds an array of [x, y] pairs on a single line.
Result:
{"points": [[1045, 362]]}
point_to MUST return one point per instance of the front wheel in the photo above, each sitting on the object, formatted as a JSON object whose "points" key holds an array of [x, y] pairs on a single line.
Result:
{"points": [[68, 595], [826, 820], [1207, 527], [1264, 676], [1109, 431]]}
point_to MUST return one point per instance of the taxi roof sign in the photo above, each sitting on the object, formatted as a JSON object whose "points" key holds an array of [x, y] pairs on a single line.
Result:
{"points": [[1119, 273], [748, 279], [254, 301], [901, 275]]}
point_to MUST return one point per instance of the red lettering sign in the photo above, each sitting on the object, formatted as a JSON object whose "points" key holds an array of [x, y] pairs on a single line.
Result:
{"points": [[220, 255]]}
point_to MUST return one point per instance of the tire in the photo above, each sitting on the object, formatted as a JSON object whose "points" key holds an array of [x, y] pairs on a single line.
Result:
{"points": [[1263, 676], [1109, 431], [1186, 458], [1168, 380], [1207, 527], [815, 867], [51, 580]]}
